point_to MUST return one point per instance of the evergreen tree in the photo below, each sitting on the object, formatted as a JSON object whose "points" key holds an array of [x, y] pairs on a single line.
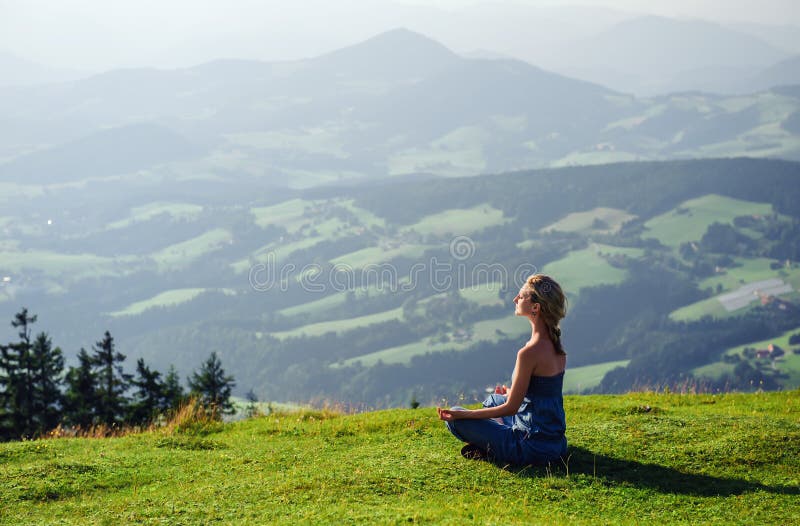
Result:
{"points": [[16, 377], [112, 382], [48, 366], [213, 387], [173, 394], [8, 375], [148, 399], [80, 398]]}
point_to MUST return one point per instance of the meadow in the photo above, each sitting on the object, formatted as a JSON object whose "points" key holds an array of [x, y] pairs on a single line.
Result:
{"points": [[689, 220], [639, 458], [788, 364]]}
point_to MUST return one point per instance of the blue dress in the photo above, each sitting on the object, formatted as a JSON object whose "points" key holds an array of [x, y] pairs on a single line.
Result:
{"points": [[534, 435]]}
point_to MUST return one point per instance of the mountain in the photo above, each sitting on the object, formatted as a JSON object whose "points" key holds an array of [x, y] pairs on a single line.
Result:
{"points": [[784, 73], [121, 150], [655, 55], [784, 37], [22, 72], [396, 104], [394, 56]]}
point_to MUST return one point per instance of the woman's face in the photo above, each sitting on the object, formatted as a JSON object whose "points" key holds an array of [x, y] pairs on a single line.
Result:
{"points": [[523, 303]]}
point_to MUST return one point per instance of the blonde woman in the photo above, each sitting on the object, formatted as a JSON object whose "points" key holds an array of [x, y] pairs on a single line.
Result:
{"points": [[523, 424]]}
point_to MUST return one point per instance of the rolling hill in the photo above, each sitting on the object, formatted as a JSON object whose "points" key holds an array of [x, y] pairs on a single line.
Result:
{"points": [[366, 292]]}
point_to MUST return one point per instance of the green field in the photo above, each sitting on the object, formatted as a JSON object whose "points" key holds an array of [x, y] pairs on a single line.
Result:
{"points": [[640, 458], [690, 220], [180, 255], [591, 157], [151, 210], [317, 140], [288, 214], [588, 268], [168, 298], [707, 307], [486, 330], [583, 221], [578, 379], [459, 221], [330, 301], [458, 153], [380, 254], [788, 364], [750, 270], [340, 326], [63, 267], [365, 217], [484, 294]]}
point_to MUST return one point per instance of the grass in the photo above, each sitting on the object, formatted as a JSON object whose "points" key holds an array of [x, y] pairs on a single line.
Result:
{"points": [[583, 221], [288, 214], [485, 294], [330, 301], [379, 255], [707, 307], [586, 268], [578, 379], [179, 255], [641, 458], [750, 270], [365, 217], [340, 326], [690, 220], [168, 298], [151, 210], [64, 267], [486, 330], [458, 153], [597, 156], [459, 221]]}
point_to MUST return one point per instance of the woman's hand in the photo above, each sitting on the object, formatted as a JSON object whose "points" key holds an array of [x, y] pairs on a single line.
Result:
{"points": [[448, 415]]}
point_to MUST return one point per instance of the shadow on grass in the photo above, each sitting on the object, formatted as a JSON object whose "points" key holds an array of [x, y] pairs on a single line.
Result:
{"points": [[653, 476]]}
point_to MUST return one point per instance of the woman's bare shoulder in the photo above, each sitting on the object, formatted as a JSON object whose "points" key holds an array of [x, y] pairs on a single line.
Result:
{"points": [[542, 354]]}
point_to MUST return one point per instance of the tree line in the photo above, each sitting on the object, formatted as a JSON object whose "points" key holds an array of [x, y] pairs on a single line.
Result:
{"points": [[38, 395]]}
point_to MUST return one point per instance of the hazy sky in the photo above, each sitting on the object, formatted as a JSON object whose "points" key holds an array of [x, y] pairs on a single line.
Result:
{"points": [[101, 34]]}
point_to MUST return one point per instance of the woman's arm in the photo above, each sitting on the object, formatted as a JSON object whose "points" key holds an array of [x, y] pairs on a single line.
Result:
{"points": [[523, 369]]}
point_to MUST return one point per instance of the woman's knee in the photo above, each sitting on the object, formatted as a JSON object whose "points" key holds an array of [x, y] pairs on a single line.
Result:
{"points": [[453, 426]]}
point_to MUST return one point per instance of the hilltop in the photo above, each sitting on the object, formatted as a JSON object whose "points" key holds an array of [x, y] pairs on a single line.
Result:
{"points": [[635, 458]]}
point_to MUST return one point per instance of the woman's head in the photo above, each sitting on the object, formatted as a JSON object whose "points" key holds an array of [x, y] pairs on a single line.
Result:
{"points": [[547, 293]]}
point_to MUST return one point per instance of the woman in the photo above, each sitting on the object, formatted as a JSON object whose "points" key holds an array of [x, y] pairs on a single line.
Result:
{"points": [[524, 424]]}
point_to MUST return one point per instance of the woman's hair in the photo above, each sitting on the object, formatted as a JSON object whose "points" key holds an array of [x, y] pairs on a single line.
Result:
{"points": [[552, 302]]}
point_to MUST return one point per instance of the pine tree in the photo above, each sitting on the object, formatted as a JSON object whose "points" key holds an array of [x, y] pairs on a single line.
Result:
{"points": [[149, 395], [173, 394], [48, 366], [8, 375], [213, 387], [80, 398], [16, 379], [112, 382]]}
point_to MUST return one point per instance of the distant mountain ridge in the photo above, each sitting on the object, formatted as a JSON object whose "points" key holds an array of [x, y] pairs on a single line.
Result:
{"points": [[657, 55], [398, 103]]}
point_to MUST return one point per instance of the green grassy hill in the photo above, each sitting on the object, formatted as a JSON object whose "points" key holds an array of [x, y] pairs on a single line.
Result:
{"points": [[637, 458]]}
